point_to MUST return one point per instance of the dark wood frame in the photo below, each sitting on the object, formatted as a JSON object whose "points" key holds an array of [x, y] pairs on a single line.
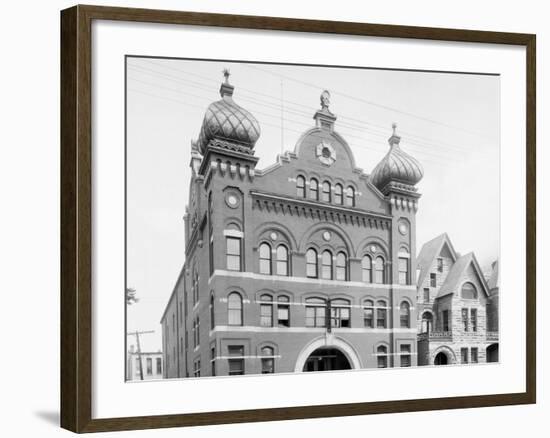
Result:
{"points": [[76, 237]]}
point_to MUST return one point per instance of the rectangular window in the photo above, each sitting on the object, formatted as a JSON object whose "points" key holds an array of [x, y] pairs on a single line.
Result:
{"points": [[149, 366], [211, 254], [340, 316], [197, 368], [138, 363], [473, 319], [439, 264], [181, 312], [433, 280], [381, 317], [368, 317], [266, 315], [159, 365], [473, 355], [233, 253], [268, 365], [315, 316], [426, 294], [403, 270], [213, 360], [405, 356], [465, 319], [464, 355], [382, 360], [445, 320], [283, 315], [236, 363]]}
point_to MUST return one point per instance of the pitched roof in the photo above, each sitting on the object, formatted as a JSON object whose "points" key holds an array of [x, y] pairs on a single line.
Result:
{"points": [[430, 250], [457, 272]]}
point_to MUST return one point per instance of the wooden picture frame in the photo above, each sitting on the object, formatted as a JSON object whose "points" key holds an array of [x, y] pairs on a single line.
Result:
{"points": [[76, 217]]}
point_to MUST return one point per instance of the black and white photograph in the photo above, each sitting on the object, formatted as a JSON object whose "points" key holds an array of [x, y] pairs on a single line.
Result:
{"points": [[298, 218], [288, 218]]}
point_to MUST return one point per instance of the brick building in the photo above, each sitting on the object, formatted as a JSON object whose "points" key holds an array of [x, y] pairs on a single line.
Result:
{"points": [[457, 309], [304, 265]]}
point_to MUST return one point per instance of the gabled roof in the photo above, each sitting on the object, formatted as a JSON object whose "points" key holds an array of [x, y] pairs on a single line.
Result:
{"points": [[457, 273], [430, 250]]}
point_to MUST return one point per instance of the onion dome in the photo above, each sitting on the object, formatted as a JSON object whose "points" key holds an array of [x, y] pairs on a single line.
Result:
{"points": [[397, 167], [228, 123]]}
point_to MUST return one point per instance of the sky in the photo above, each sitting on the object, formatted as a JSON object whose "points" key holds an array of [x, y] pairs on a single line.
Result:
{"points": [[448, 121]]}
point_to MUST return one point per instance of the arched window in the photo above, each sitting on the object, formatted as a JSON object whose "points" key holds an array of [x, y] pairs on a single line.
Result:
{"points": [[338, 194], [283, 311], [340, 313], [266, 311], [326, 265], [301, 187], [368, 313], [316, 312], [212, 321], [468, 291], [282, 260], [366, 269], [314, 189], [268, 360], [405, 315], [350, 196], [265, 259], [382, 356], [326, 191], [341, 266], [234, 309], [381, 314], [311, 263], [379, 270]]}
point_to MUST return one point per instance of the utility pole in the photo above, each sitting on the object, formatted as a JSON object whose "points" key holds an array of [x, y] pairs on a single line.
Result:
{"points": [[136, 334]]}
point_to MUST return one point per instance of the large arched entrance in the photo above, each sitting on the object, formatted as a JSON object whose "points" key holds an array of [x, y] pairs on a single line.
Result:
{"points": [[492, 353], [325, 353], [327, 359], [441, 358]]}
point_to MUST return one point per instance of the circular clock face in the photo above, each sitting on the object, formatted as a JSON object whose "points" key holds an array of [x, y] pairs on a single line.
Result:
{"points": [[326, 235], [403, 228], [273, 236], [232, 200]]}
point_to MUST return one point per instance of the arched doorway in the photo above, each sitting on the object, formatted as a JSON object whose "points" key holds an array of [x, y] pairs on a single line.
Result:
{"points": [[441, 359], [492, 353], [327, 359]]}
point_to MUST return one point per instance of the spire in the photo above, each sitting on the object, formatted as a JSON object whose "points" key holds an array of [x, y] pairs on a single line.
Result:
{"points": [[324, 118], [226, 89], [394, 139]]}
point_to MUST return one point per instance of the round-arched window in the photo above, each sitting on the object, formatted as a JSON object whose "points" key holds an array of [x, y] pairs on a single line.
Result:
{"points": [[468, 291]]}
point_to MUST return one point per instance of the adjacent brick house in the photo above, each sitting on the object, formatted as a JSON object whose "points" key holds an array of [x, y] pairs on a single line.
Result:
{"points": [[305, 265]]}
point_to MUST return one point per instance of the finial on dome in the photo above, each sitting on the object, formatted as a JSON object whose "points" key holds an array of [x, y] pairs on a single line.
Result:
{"points": [[226, 88], [325, 99], [226, 74], [394, 139]]}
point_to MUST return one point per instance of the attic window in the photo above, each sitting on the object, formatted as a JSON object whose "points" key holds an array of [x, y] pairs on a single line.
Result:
{"points": [[439, 264], [468, 291], [326, 152]]}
